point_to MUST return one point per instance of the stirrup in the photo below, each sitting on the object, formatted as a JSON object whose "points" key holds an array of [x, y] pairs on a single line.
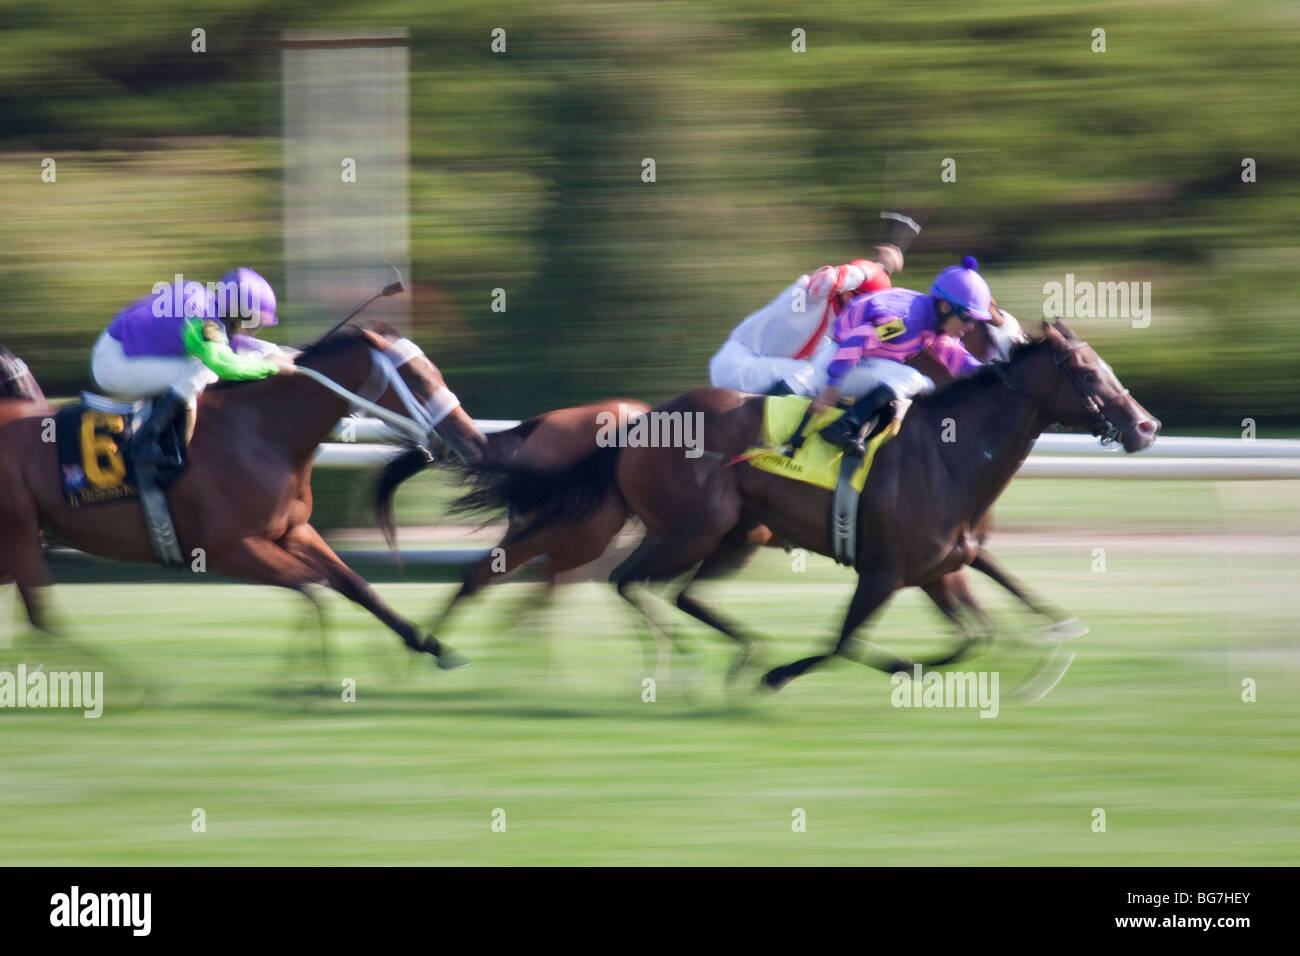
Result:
{"points": [[849, 435], [856, 447]]}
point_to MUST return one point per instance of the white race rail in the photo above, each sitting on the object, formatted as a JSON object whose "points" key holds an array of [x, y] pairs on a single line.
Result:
{"points": [[1053, 456]]}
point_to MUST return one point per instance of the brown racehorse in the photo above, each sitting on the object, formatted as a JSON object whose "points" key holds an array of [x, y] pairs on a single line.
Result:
{"points": [[556, 440], [245, 499], [918, 515], [952, 593], [549, 442]]}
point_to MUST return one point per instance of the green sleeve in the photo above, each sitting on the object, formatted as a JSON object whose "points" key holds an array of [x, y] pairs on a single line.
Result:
{"points": [[206, 341]]}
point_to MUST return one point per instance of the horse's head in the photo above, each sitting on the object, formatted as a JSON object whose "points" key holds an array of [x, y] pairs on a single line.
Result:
{"points": [[1082, 391], [16, 379], [417, 389], [392, 372]]}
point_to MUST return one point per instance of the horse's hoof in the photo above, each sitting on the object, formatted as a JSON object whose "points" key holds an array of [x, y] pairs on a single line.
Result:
{"points": [[773, 680], [1061, 631], [450, 660]]}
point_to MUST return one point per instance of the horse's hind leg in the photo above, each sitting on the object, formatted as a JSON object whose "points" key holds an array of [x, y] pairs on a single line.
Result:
{"points": [[735, 550], [642, 566], [661, 558], [23, 562], [644, 623], [21, 559]]}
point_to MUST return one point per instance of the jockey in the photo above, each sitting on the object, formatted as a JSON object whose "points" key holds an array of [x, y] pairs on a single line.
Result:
{"points": [[171, 345], [246, 304], [1004, 333], [878, 333], [773, 351]]}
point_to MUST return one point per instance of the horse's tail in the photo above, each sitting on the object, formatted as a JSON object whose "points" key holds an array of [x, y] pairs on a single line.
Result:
{"points": [[541, 498], [397, 470], [499, 484]]}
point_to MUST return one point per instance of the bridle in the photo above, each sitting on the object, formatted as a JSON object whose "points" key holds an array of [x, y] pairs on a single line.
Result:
{"points": [[384, 374], [1101, 425], [421, 419]]}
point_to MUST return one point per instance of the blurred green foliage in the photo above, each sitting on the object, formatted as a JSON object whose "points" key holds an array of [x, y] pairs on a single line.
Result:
{"points": [[526, 175]]}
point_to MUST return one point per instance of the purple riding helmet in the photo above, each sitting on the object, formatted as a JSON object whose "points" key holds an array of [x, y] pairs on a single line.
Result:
{"points": [[245, 300], [963, 288]]}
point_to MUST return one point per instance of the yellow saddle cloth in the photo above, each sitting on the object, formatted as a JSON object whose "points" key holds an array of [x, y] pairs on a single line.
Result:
{"points": [[817, 461]]}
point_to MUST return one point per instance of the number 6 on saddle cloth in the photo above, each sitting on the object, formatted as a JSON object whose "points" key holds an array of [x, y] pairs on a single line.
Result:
{"points": [[91, 435]]}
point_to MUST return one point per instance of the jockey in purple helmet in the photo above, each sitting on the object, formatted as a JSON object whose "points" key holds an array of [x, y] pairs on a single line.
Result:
{"points": [[171, 345], [877, 333], [246, 304]]}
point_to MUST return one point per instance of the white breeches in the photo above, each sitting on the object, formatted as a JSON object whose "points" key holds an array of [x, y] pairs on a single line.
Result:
{"points": [[130, 377], [903, 380], [735, 366]]}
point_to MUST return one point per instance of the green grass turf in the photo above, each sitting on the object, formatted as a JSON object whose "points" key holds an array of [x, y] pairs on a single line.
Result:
{"points": [[549, 725]]}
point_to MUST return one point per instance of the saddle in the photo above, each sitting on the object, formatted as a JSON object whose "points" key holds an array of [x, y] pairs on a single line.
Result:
{"points": [[794, 448], [91, 436]]}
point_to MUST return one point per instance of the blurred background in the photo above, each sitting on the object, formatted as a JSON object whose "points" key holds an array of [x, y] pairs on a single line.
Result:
{"points": [[525, 175]]}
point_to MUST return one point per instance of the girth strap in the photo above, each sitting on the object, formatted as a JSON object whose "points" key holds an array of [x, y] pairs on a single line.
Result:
{"points": [[844, 514]]}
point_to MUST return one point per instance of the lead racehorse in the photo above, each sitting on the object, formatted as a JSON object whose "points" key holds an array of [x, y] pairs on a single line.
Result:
{"points": [[919, 515], [515, 471]]}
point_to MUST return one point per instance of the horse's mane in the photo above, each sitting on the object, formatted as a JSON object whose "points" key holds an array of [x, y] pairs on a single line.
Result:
{"points": [[339, 339], [959, 391], [333, 342]]}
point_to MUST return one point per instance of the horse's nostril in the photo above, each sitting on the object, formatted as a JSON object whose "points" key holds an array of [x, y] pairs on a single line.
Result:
{"points": [[1148, 426]]}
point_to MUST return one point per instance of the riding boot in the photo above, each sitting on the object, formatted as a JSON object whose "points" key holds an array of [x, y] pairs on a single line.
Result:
{"points": [[865, 418], [145, 446]]}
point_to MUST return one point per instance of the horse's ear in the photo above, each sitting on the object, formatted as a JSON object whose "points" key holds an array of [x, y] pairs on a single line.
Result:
{"points": [[1052, 333], [376, 340], [1065, 330]]}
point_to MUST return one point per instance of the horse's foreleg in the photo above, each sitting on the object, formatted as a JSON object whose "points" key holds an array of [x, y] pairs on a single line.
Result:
{"points": [[1062, 627], [264, 562], [304, 544], [984, 563], [871, 593]]}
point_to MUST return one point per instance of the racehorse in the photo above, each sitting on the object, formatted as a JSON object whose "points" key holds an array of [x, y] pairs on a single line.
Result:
{"points": [[924, 500], [557, 440], [244, 501], [548, 442]]}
